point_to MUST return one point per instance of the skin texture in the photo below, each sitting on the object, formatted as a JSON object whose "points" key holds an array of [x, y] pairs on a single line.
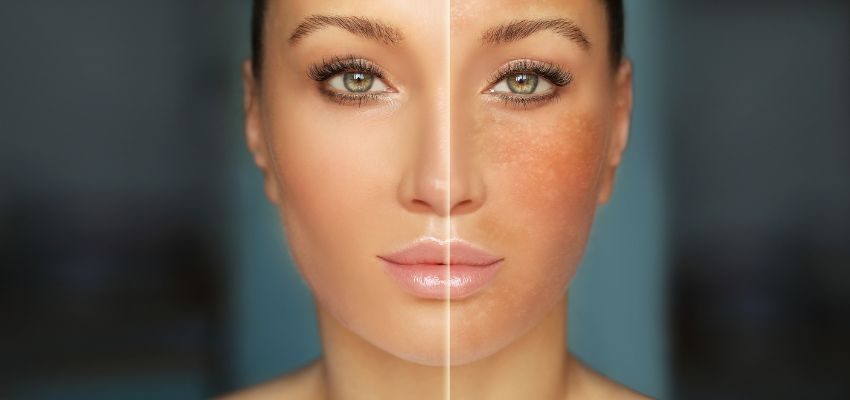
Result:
{"points": [[438, 156]]}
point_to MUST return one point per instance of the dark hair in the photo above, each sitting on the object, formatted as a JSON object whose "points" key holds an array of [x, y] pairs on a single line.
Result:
{"points": [[613, 7]]}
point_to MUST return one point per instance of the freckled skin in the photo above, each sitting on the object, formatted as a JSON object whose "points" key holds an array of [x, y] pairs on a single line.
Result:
{"points": [[543, 167], [540, 217]]}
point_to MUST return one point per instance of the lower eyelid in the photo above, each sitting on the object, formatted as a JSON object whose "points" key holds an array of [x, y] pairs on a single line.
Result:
{"points": [[352, 98], [526, 101]]}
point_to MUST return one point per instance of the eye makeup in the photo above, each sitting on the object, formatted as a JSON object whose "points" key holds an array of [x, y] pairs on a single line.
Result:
{"points": [[352, 80], [516, 82], [348, 80]]}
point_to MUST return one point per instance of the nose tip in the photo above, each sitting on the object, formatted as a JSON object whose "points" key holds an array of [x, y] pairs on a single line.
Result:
{"points": [[429, 195], [445, 191]]}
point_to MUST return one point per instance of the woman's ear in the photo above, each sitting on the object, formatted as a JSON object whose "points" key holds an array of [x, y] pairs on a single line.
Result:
{"points": [[620, 129], [254, 136]]}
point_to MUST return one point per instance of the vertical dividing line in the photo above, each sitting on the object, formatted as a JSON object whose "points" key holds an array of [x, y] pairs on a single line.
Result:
{"points": [[447, 234]]}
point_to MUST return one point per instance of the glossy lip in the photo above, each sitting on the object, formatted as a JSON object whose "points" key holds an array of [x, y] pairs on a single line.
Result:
{"points": [[421, 268]]}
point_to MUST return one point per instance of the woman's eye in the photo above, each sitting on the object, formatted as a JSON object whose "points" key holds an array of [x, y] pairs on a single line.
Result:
{"points": [[357, 82], [522, 84]]}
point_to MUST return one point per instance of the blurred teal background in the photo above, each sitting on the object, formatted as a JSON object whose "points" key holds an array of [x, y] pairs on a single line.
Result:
{"points": [[139, 258]]}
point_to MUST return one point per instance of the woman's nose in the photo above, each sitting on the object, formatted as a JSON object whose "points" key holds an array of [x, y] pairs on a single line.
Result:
{"points": [[444, 179]]}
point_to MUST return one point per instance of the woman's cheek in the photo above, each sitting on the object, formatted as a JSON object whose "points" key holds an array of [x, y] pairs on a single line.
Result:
{"points": [[541, 175], [546, 169], [544, 172], [314, 160]]}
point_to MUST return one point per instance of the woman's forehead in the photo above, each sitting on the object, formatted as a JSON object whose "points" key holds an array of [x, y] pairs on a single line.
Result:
{"points": [[414, 16], [460, 22]]}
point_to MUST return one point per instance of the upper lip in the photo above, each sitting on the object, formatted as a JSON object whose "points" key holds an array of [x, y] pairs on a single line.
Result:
{"points": [[435, 252]]}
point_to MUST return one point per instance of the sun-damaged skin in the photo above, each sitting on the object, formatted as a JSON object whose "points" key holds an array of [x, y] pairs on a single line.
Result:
{"points": [[441, 155]]}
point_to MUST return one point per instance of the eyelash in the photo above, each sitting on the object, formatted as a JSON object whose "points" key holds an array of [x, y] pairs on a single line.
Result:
{"points": [[327, 69], [551, 72]]}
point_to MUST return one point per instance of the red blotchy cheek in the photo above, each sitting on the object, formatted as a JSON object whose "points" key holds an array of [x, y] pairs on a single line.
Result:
{"points": [[548, 163]]}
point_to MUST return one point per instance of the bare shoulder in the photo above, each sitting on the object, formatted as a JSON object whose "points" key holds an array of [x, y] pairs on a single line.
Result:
{"points": [[305, 383], [590, 384]]}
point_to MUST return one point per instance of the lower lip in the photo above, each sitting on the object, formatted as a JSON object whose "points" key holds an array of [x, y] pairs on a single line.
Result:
{"points": [[429, 281]]}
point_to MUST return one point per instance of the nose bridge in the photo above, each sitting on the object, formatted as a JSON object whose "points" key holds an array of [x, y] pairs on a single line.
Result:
{"points": [[462, 173], [444, 177], [467, 187], [427, 182]]}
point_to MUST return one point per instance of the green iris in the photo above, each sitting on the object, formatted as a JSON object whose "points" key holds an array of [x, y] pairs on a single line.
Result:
{"points": [[522, 83], [358, 81]]}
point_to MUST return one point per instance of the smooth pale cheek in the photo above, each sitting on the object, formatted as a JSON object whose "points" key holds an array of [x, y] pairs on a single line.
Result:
{"points": [[337, 206], [334, 247], [327, 237]]}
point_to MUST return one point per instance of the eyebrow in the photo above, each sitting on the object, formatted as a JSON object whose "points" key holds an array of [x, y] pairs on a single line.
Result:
{"points": [[360, 26], [523, 28]]}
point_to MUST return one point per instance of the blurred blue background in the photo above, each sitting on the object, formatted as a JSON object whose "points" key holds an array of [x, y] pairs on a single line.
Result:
{"points": [[140, 259]]}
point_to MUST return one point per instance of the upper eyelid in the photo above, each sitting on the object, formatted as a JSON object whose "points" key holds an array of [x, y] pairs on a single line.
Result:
{"points": [[341, 64], [533, 66], [328, 68]]}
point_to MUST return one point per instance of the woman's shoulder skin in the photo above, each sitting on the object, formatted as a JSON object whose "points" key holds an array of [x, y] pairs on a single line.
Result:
{"points": [[585, 383], [305, 383]]}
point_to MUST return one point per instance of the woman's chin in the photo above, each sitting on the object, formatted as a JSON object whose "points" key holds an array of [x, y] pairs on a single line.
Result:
{"points": [[426, 342], [428, 347]]}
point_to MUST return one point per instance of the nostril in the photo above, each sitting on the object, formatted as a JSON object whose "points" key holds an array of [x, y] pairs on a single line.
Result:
{"points": [[421, 205], [460, 207]]}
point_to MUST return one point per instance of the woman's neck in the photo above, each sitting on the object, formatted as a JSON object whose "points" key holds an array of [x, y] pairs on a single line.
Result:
{"points": [[534, 367]]}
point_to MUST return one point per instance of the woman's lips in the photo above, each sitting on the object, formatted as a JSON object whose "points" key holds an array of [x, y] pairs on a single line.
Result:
{"points": [[435, 269]]}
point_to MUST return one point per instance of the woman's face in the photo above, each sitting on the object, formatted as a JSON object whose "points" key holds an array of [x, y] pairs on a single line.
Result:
{"points": [[493, 124]]}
